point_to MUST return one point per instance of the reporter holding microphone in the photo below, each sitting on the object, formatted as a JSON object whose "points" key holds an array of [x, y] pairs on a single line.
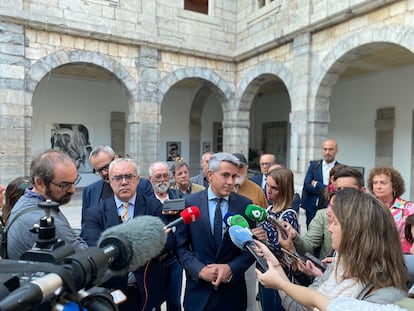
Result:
{"points": [[280, 191], [363, 228]]}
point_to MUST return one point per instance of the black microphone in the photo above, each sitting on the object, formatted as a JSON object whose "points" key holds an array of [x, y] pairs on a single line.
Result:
{"points": [[122, 248]]}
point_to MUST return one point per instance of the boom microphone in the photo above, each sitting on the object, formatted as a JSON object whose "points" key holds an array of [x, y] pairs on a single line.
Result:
{"points": [[241, 237], [257, 213], [188, 215], [122, 248], [137, 241]]}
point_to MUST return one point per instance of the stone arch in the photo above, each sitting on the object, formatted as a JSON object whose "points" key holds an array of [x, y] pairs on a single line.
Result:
{"points": [[210, 82], [213, 81], [249, 86], [63, 57], [329, 68], [46, 64], [338, 59]]}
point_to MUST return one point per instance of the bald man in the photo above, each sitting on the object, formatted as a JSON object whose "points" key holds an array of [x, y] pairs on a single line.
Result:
{"points": [[317, 178]]}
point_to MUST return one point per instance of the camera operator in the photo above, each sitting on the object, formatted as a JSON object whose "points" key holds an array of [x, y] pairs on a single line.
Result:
{"points": [[54, 176]]}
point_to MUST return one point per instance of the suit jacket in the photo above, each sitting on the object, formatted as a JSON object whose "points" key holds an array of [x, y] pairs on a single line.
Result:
{"points": [[196, 248], [257, 179], [310, 194], [199, 180], [91, 194], [105, 215]]}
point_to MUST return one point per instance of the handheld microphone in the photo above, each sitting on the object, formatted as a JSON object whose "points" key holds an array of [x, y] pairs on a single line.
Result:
{"points": [[257, 213], [239, 220], [227, 217], [122, 248], [188, 215], [241, 237]]}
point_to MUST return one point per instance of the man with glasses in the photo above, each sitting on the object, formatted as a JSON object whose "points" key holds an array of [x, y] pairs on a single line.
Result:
{"points": [[54, 176], [145, 286], [92, 195], [266, 160]]}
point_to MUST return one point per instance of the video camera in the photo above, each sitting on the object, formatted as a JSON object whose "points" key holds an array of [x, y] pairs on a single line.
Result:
{"points": [[51, 276]]}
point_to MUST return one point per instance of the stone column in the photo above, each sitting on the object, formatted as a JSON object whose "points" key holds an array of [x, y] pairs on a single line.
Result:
{"points": [[144, 118], [15, 118], [236, 125], [308, 123]]}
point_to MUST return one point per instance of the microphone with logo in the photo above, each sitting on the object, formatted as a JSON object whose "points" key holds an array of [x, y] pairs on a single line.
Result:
{"points": [[187, 216], [122, 248], [257, 213], [241, 237], [239, 220]]}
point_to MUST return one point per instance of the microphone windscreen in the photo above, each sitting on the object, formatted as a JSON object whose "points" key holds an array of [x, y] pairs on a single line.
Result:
{"points": [[146, 236], [239, 220], [240, 236], [255, 212], [190, 214], [227, 218]]}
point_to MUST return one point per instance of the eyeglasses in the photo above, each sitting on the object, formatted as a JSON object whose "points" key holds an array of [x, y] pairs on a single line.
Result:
{"points": [[118, 178], [98, 171], [159, 177], [265, 163], [66, 185]]}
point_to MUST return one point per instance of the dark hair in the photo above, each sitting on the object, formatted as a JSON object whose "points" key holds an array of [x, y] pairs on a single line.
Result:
{"points": [[409, 222], [43, 166], [178, 164], [15, 189], [349, 171]]}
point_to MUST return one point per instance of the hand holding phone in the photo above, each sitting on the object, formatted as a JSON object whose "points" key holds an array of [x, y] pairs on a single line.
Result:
{"points": [[316, 261]]}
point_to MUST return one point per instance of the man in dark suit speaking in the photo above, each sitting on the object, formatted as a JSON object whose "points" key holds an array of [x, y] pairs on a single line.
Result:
{"points": [[317, 178], [214, 266]]}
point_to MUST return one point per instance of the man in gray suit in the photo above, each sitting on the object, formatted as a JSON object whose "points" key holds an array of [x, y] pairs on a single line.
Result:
{"points": [[201, 179]]}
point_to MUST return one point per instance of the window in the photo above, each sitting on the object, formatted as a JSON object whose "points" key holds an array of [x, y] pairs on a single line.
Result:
{"points": [[199, 6], [217, 137]]}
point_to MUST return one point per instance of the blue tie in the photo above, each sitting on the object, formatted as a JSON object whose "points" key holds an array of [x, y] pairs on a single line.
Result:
{"points": [[218, 223]]}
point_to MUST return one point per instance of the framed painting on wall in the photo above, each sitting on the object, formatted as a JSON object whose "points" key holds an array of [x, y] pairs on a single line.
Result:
{"points": [[173, 150]]}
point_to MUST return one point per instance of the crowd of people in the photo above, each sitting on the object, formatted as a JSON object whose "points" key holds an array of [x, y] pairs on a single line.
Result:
{"points": [[362, 243]]}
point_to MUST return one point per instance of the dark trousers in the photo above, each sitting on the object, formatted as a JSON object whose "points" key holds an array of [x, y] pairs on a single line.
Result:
{"points": [[270, 299], [174, 279]]}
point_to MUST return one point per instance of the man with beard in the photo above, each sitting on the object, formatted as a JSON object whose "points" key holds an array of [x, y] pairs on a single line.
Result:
{"points": [[100, 190], [159, 175], [54, 176]]}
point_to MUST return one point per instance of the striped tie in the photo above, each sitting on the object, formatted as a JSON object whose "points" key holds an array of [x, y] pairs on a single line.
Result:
{"points": [[124, 213]]}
